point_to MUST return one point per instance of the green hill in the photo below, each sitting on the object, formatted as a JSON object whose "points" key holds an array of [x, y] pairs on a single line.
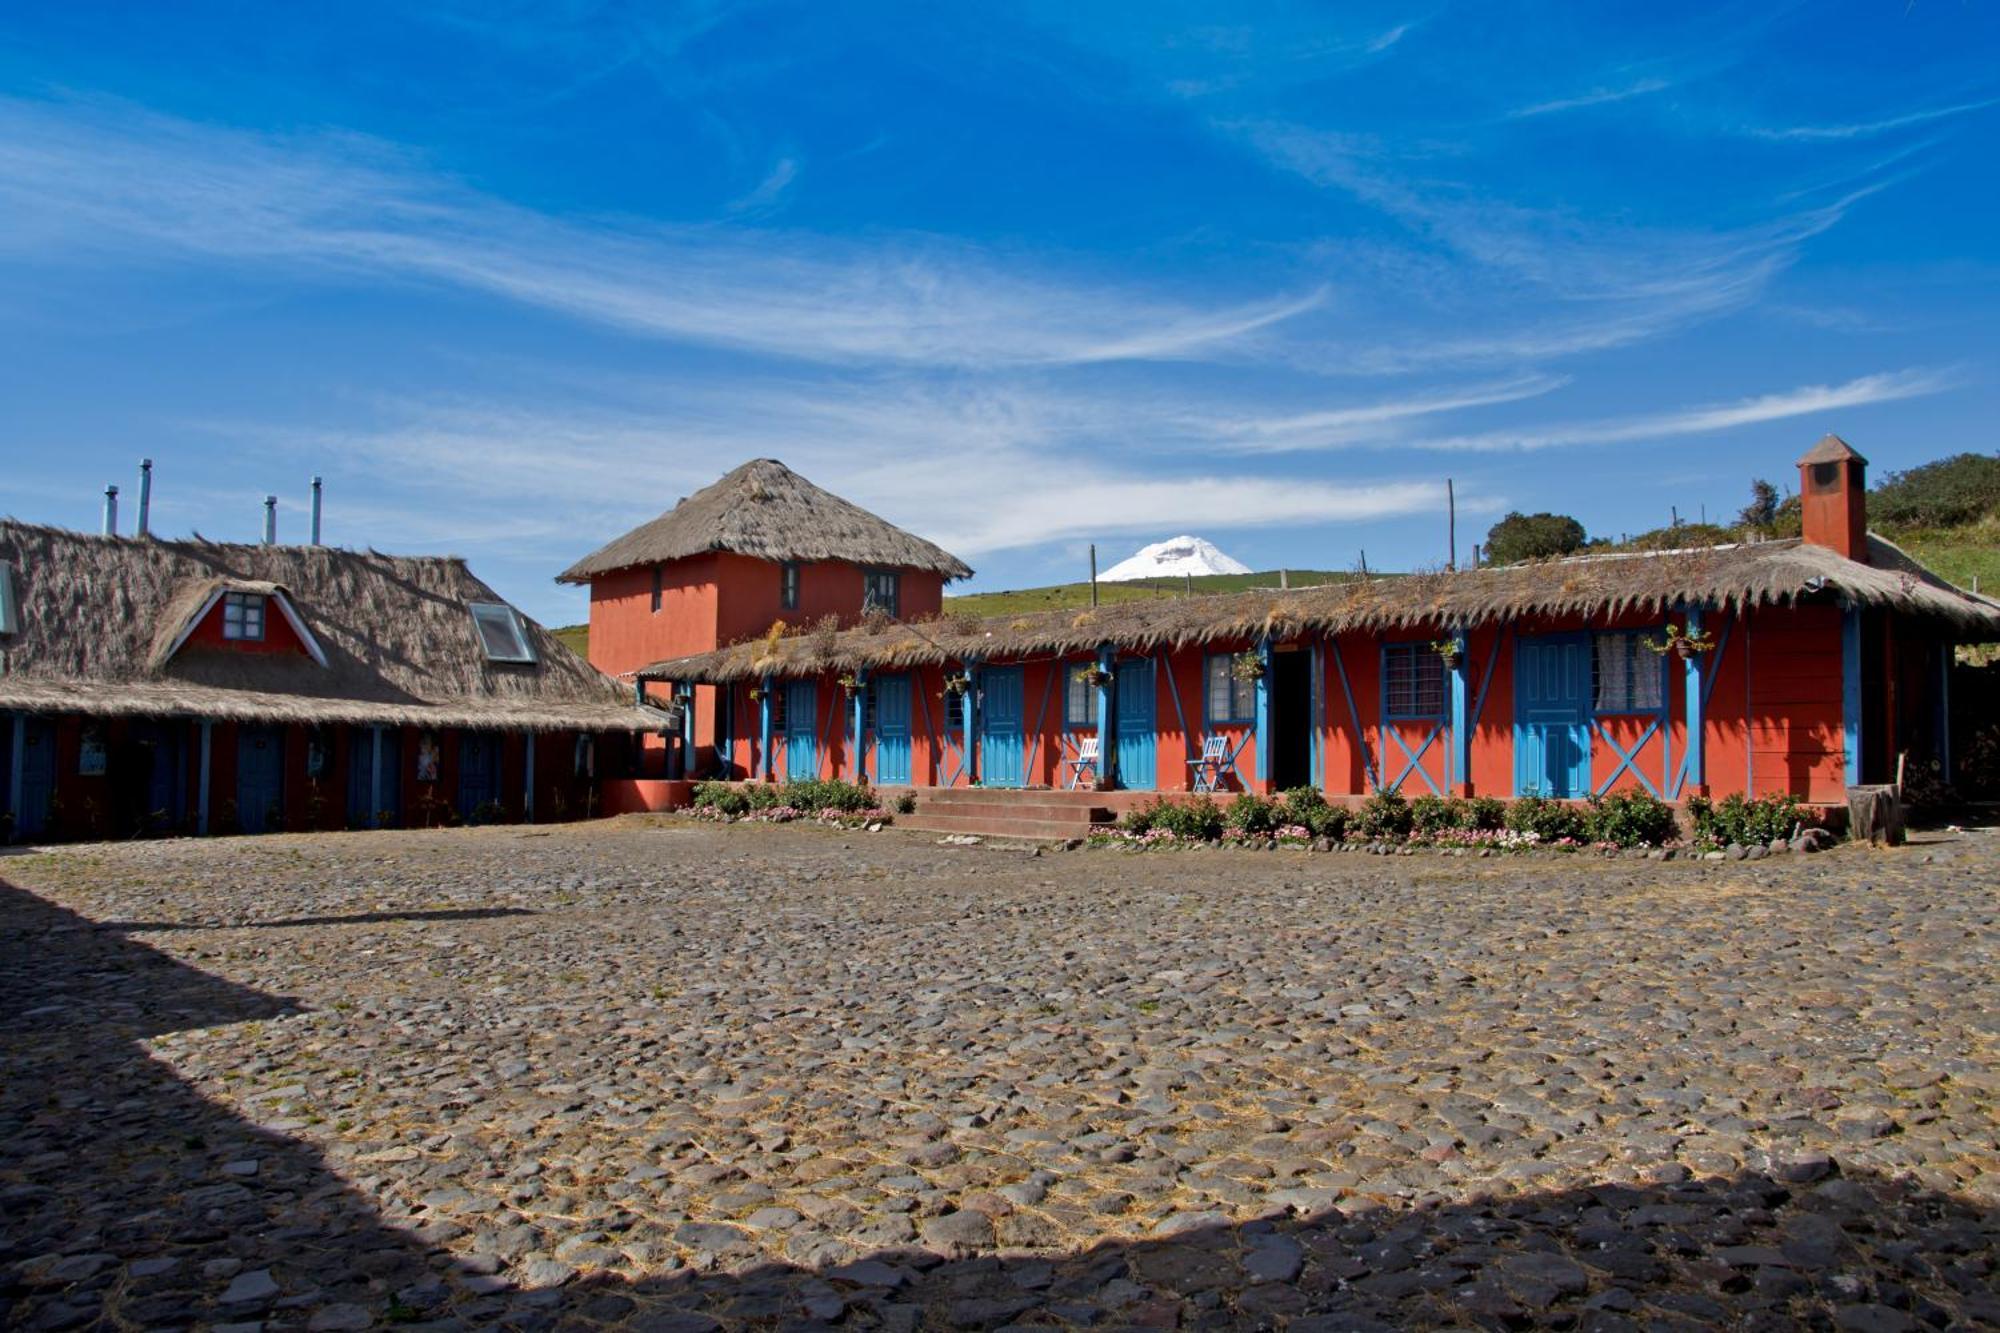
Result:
{"points": [[1066, 596], [576, 638]]}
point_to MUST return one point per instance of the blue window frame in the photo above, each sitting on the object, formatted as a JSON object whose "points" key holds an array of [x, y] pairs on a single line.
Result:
{"points": [[1626, 676], [954, 712], [1228, 699], [882, 590], [1412, 682], [1079, 697], [788, 585]]}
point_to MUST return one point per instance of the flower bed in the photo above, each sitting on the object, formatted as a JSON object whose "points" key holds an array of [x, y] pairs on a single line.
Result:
{"points": [[822, 801], [1630, 823]]}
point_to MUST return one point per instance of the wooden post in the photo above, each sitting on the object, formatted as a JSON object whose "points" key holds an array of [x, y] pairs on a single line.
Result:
{"points": [[1944, 711], [1451, 525], [374, 777], [201, 789], [1850, 692], [968, 705], [1263, 713], [764, 729], [528, 786], [17, 765], [1107, 774], [860, 714], [1693, 672], [1093, 573], [1461, 721]]}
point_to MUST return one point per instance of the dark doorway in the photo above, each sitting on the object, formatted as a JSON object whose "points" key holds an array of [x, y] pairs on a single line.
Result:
{"points": [[1291, 720]]}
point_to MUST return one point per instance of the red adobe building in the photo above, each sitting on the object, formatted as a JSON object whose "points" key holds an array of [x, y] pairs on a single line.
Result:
{"points": [[762, 547]]}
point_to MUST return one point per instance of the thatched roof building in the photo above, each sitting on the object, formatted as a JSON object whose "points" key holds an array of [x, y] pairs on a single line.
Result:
{"points": [[1740, 576], [103, 626], [766, 510]]}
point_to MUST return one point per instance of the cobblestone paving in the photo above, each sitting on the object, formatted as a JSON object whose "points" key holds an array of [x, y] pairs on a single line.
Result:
{"points": [[685, 1078]]}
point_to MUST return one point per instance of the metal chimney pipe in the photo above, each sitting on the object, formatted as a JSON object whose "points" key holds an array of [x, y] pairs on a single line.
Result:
{"points": [[111, 511], [145, 496], [316, 492], [270, 520]]}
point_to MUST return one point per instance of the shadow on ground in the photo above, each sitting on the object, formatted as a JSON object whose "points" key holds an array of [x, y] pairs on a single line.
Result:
{"points": [[128, 1201], [342, 919]]}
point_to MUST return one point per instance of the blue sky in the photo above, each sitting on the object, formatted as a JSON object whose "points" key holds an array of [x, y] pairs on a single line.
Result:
{"points": [[514, 278]]}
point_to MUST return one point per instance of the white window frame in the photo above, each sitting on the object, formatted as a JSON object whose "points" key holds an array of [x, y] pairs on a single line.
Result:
{"points": [[239, 609], [514, 622]]}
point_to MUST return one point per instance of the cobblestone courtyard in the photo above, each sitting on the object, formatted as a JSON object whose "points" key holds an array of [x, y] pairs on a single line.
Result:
{"points": [[693, 1077]]}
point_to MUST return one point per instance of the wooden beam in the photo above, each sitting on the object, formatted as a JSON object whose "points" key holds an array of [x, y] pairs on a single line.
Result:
{"points": [[764, 729], [1850, 692], [1263, 694], [201, 797], [528, 784], [1694, 682], [17, 766], [374, 777], [1107, 759], [1460, 768]]}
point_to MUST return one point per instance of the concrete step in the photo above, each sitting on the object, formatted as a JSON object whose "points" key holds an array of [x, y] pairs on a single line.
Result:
{"points": [[1049, 810], [1036, 830]]}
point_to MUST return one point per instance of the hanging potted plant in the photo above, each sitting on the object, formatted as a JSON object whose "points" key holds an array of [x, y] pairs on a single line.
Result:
{"points": [[957, 684], [1448, 650], [756, 694], [1247, 667], [1682, 643], [850, 683], [1093, 676]]}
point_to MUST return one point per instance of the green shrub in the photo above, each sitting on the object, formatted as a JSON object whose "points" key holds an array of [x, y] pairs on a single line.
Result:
{"points": [[763, 795], [1199, 820], [1945, 493], [816, 794], [1551, 820], [1631, 819], [1431, 815], [1140, 819], [1735, 819], [722, 796], [1385, 816], [906, 803], [1484, 812], [1250, 815], [1308, 806]]}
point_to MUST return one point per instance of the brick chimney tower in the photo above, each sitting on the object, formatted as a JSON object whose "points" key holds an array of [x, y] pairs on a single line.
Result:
{"points": [[1833, 498]]}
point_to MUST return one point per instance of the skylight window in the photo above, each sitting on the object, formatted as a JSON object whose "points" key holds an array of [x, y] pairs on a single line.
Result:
{"points": [[10, 611], [501, 633]]}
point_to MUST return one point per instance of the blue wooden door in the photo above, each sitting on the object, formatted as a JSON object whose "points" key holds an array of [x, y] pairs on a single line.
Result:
{"points": [[478, 773], [1001, 757], [801, 730], [163, 772], [38, 775], [1552, 716], [892, 729], [1132, 725], [368, 806], [260, 779]]}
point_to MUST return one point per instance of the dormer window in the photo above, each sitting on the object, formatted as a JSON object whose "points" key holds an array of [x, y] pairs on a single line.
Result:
{"points": [[882, 590], [501, 633], [788, 586], [243, 616], [10, 610]]}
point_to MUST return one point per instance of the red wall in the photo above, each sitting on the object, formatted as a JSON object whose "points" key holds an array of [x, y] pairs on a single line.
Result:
{"points": [[279, 636]]}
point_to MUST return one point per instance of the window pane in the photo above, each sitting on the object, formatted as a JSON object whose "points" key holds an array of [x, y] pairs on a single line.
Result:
{"points": [[1245, 700], [1219, 694], [1080, 705], [500, 634]]}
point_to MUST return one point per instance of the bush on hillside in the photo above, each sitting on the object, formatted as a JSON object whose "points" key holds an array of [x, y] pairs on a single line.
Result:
{"points": [[1949, 492]]}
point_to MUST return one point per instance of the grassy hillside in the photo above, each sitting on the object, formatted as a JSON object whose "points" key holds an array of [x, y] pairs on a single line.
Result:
{"points": [[1960, 554], [1063, 596], [576, 638]]}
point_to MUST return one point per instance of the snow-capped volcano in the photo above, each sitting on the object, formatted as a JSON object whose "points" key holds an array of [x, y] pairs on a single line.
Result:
{"points": [[1171, 559]]}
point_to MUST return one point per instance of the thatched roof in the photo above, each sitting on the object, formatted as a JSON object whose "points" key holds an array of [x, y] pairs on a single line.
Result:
{"points": [[1596, 586], [101, 617], [765, 509]]}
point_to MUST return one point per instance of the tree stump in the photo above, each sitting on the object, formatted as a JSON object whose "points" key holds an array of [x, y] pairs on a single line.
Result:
{"points": [[1875, 815]]}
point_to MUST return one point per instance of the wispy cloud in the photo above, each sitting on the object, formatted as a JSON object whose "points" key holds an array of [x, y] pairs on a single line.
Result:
{"points": [[1343, 426], [1867, 128], [770, 192], [1803, 401], [1595, 97], [110, 182]]}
